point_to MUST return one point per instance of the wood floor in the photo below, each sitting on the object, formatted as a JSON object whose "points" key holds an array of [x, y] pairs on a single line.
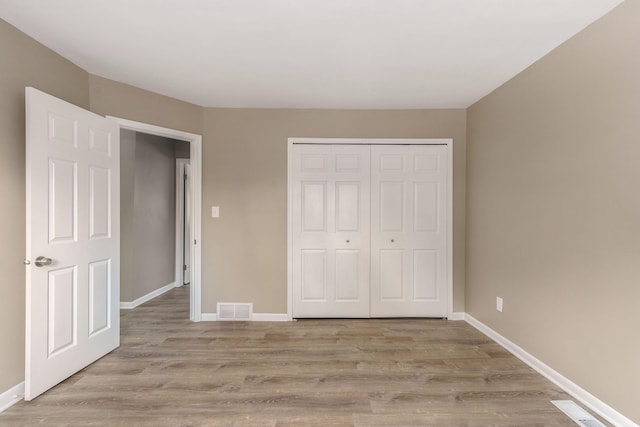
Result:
{"points": [[171, 372]]}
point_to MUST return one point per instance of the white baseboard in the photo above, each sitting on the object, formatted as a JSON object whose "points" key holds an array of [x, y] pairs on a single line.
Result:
{"points": [[256, 317], [270, 317], [124, 305], [208, 317], [284, 317], [457, 315], [12, 396], [586, 398]]}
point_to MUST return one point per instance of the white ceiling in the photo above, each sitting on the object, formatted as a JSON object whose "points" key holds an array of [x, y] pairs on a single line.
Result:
{"points": [[307, 53]]}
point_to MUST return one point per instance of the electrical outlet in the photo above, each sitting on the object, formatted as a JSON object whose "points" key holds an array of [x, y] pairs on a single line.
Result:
{"points": [[499, 303]]}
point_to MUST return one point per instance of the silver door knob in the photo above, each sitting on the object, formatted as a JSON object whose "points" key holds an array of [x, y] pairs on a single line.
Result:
{"points": [[41, 261], [347, 241]]}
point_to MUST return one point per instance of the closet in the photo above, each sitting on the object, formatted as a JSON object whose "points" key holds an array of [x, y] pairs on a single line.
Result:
{"points": [[370, 229]]}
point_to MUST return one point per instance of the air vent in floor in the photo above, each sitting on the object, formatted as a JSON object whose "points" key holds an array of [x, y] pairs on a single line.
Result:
{"points": [[577, 414], [234, 311]]}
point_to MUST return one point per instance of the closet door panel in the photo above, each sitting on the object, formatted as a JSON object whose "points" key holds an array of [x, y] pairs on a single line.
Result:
{"points": [[408, 231], [331, 229]]}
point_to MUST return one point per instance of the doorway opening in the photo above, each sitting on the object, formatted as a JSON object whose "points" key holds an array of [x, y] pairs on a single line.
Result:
{"points": [[178, 148]]}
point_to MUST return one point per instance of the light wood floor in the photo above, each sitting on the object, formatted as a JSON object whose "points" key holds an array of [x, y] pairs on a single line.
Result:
{"points": [[171, 372]]}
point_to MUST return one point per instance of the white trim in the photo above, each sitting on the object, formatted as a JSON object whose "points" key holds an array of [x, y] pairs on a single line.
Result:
{"points": [[371, 141], [195, 158], [270, 317], [124, 305], [12, 396], [209, 317], [586, 398], [289, 232], [180, 166], [457, 315], [256, 317], [450, 229]]}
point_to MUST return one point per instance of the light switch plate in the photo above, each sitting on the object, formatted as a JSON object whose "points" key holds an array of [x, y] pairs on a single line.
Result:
{"points": [[215, 211]]}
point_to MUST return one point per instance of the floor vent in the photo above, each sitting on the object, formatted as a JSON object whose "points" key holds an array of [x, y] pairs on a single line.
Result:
{"points": [[235, 311], [577, 414]]}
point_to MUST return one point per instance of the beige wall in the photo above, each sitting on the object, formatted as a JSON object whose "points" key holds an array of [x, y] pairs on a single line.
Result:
{"points": [[553, 209], [245, 173], [116, 99], [154, 215], [23, 62]]}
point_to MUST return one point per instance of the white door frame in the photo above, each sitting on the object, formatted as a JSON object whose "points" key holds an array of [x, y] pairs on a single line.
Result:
{"points": [[370, 141], [180, 204], [195, 160]]}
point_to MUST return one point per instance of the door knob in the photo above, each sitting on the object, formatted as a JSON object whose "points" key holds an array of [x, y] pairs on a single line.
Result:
{"points": [[347, 241], [392, 240], [41, 261]]}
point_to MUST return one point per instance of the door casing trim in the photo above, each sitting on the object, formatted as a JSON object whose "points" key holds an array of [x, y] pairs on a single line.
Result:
{"points": [[195, 160]]}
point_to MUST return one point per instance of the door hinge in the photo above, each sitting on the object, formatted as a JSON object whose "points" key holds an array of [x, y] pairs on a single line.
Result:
{"points": [[184, 267]]}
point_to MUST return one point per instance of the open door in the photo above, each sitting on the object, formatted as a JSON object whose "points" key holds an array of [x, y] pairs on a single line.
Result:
{"points": [[73, 240]]}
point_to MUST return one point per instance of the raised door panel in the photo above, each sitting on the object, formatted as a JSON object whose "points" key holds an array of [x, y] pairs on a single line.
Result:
{"points": [[62, 131], [425, 274], [99, 202], [100, 141], [391, 274], [314, 206], [425, 206], [99, 296], [347, 275], [62, 310], [314, 275], [63, 208], [314, 162], [391, 206], [348, 206]]}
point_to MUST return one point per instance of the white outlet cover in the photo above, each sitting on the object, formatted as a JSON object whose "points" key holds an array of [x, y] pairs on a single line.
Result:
{"points": [[215, 211]]}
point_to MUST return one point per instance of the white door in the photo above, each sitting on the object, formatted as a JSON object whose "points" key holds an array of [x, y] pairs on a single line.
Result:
{"points": [[186, 278], [73, 238], [409, 275], [330, 213]]}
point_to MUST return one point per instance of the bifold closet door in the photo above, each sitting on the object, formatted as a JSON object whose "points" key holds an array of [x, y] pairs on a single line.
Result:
{"points": [[409, 231], [331, 230]]}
